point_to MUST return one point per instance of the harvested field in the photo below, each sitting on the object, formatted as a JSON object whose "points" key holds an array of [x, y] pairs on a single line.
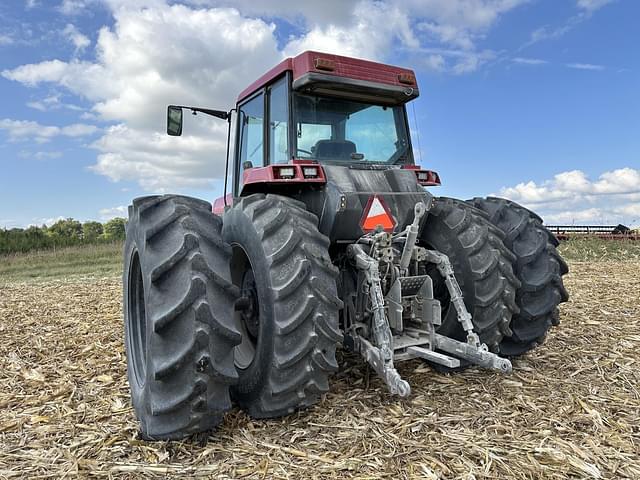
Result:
{"points": [[570, 409]]}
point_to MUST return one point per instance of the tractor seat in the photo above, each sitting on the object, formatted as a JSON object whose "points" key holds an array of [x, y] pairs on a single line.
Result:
{"points": [[333, 149]]}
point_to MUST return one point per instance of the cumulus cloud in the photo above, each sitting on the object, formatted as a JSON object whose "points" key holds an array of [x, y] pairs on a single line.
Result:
{"points": [[371, 35], [572, 197], [203, 52], [335, 12], [30, 130]]}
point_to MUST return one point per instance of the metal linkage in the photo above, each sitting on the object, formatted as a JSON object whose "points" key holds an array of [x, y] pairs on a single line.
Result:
{"points": [[380, 355], [443, 264], [478, 355], [412, 234], [473, 350], [418, 338]]}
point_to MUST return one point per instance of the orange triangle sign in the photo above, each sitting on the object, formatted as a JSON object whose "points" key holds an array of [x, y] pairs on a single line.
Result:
{"points": [[376, 213]]}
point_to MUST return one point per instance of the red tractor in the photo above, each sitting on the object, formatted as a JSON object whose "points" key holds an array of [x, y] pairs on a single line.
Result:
{"points": [[327, 237]]}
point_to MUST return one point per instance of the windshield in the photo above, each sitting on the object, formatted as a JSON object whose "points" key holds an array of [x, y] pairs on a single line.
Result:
{"points": [[339, 130]]}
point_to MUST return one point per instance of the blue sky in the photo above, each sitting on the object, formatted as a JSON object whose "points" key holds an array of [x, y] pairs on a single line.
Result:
{"points": [[534, 100]]}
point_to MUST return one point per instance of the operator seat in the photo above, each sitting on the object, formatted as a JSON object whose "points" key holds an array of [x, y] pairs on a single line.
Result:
{"points": [[333, 149]]}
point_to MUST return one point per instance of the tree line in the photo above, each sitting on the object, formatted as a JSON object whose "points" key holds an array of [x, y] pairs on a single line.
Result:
{"points": [[64, 233]]}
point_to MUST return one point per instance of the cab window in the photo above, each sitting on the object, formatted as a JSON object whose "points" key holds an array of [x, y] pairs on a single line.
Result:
{"points": [[251, 134], [278, 122]]}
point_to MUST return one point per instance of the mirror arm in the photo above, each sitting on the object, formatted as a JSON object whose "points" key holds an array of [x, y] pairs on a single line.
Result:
{"points": [[207, 111]]}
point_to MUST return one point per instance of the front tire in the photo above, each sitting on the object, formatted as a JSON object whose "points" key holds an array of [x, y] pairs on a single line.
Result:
{"points": [[289, 305], [178, 304]]}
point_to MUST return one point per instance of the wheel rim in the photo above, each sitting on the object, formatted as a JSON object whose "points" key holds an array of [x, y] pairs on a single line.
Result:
{"points": [[247, 318], [137, 321]]}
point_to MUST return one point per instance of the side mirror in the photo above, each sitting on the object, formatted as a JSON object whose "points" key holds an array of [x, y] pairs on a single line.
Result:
{"points": [[174, 121]]}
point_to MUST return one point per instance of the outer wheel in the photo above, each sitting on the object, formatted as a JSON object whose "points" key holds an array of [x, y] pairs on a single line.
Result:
{"points": [[288, 312], [538, 266], [178, 305], [482, 266]]}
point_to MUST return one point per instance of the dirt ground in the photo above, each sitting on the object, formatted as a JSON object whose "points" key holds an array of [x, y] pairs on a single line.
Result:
{"points": [[571, 409]]}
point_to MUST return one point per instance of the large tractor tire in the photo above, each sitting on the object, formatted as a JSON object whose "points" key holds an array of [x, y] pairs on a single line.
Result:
{"points": [[538, 266], [178, 312], [482, 266], [288, 309]]}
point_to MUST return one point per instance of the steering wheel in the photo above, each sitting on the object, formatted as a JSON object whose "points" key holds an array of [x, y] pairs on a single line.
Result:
{"points": [[304, 151]]}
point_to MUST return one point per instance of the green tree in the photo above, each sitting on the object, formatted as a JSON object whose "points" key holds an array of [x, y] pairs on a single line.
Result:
{"points": [[91, 231], [66, 232], [114, 229]]}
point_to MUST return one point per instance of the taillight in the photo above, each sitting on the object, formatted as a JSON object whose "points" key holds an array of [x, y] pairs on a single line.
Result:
{"points": [[310, 172], [284, 173], [427, 178]]}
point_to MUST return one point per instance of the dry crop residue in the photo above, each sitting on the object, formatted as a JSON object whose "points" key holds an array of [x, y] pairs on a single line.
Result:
{"points": [[571, 408]]}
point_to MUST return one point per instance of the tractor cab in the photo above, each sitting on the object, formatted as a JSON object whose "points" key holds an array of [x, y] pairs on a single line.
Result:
{"points": [[321, 109], [317, 122]]}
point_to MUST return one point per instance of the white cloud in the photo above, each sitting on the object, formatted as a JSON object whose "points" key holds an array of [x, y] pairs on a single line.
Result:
{"points": [[374, 28], [472, 15], [593, 5], [585, 66], [335, 12], [29, 4], [529, 61], [5, 40], [586, 11], [74, 7], [52, 102], [107, 214], [152, 58], [572, 197], [159, 162], [30, 130], [73, 35]]}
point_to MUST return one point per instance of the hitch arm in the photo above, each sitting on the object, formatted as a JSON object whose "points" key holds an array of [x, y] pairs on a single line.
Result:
{"points": [[380, 355]]}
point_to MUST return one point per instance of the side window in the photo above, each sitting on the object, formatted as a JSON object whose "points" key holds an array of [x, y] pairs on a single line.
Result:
{"points": [[278, 123], [251, 118]]}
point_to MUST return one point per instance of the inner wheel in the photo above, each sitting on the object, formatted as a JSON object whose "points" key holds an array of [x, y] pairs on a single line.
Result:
{"points": [[250, 315], [247, 320], [137, 321]]}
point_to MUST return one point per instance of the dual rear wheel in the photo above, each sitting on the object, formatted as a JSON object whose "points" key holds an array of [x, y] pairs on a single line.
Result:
{"points": [[247, 309], [508, 268]]}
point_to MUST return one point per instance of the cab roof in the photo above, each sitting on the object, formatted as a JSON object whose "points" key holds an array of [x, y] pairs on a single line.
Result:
{"points": [[327, 65]]}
